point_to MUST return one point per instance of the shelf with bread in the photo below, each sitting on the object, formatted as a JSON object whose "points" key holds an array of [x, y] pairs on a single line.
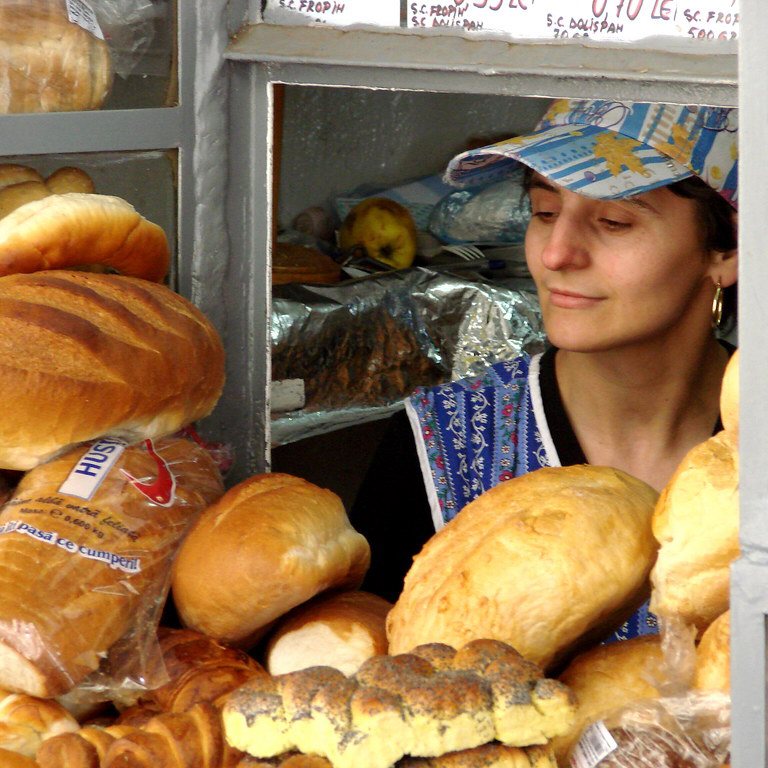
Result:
{"points": [[276, 657]]}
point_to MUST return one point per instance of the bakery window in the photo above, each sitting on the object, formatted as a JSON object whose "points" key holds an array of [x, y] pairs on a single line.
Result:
{"points": [[73, 55]]}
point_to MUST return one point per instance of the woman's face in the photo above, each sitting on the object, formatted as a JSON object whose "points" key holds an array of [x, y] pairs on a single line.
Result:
{"points": [[616, 273]]}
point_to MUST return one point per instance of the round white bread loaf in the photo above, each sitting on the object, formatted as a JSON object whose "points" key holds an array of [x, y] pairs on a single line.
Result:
{"points": [[269, 544], [40, 230], [713, 657], [541, 562], [339, 630], [696, 522], [48, 63], [729, 394], [84, 355], [608, 677]]}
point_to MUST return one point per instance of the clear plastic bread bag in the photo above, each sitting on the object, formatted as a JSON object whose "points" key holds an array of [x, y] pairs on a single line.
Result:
{"points": [[691, 730], [86, 545]]}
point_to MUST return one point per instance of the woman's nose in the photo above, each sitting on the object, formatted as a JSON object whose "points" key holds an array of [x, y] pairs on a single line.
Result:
{"points": [[565, 246]]}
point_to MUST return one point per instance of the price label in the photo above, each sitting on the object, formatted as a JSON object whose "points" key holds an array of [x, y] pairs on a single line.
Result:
{"points": [[80, 13], [620, 20], [595, 743], [384, 13]]}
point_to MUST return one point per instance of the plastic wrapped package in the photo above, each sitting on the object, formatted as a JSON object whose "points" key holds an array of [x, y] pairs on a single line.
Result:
{"points": [[494, 214], [86, 544], [687, 731]]}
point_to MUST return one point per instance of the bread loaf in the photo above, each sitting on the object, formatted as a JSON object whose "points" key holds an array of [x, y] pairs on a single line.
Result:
{"points": [[84, 355], [402, 705], [340, 630], [696, 523], [713, 657], [200, 669], [541, 562], [269, 544], [40, 230], [294, 263], [47, 63], [606, 678], [85, 549], [729, 395], [9, 759], [27, 721]]}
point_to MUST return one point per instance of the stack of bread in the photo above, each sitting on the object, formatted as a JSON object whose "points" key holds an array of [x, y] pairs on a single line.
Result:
{"points": [[104, 368], [665, 699]]}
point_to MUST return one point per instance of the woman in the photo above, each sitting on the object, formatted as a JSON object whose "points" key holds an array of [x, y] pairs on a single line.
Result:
{"points": [[631, 243]]}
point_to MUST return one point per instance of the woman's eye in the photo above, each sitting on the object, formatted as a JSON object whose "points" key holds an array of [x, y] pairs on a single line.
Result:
{"points": [[544, 215], [612, 224]]}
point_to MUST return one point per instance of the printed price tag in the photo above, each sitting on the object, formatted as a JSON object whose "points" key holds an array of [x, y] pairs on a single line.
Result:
{"points": [[620, 20], [384, 13], [595, 743], [80, 13]]}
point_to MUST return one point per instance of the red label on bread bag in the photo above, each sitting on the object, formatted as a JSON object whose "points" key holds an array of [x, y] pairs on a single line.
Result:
{"points": [[162, 489]]}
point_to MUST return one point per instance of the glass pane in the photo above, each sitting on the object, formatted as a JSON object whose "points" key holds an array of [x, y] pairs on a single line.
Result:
{"points": [[73, 55]]}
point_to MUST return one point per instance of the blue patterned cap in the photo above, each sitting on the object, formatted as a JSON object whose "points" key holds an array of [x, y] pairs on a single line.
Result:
{"points": [[611, 149]]}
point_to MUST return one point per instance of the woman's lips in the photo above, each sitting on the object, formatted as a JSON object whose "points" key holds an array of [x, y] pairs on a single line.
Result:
{"points": [[570, 299]]}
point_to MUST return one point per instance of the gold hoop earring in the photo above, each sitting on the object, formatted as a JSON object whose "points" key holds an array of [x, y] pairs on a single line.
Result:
{"points": [[717, 306]]}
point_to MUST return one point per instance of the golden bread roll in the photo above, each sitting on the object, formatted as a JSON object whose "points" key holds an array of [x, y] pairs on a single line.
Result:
{"points": [[27, 721], [270, 543], [729, 395], [10, 759], [491, 755], [77, 229], [606, 678], [14, 196], [512, 565], [47, 63], [85, 548], [713, 657], [69, 179], [14, 173], [199, 668], [84, 748], [84, 355], [696, 523], [339, 630]]}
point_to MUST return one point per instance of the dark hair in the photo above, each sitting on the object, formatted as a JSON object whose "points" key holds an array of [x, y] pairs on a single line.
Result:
{"points": [[719, 232]]}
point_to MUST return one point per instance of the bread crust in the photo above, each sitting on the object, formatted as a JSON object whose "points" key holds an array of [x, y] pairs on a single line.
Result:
{"points": [[541, 562], [271, 542], [84, 355], [75, 229], [696, 522]]}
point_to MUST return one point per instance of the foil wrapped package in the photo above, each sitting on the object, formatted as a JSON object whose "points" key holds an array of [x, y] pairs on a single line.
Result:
{"points": [[363, 345]]}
